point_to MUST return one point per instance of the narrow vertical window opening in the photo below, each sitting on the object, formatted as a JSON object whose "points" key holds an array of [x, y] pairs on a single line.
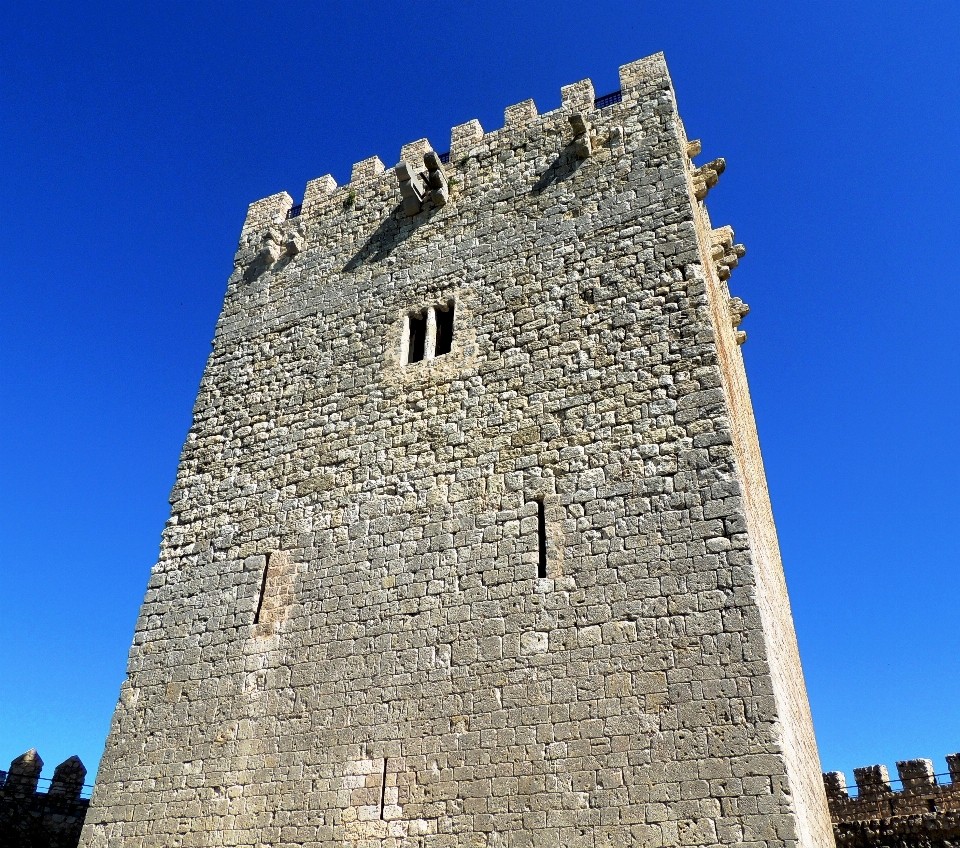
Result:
{"points": [[541, 540], [263, 591], [444, 329], [418, 337], [383, 787], [276, 594], [428, 334]]}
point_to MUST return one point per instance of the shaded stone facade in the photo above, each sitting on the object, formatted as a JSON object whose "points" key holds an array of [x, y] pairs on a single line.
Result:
{"points": [[470, 542], [33, 819]]}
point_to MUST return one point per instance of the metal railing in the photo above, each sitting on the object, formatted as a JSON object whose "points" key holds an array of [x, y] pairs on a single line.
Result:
{"points": [[608, 99], [896, 785], [294, 211], [43, 784], [445, 157]]}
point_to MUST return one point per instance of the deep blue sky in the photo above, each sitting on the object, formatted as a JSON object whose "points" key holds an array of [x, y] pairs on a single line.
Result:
{"points": [[133, 136]]}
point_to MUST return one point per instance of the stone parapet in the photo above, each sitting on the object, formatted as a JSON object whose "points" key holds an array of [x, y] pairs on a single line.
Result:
{"points": [[33, 819], [916, 792], [922, 830], [638, 80]]}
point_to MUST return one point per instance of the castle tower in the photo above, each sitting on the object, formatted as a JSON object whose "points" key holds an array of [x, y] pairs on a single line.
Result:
{"points": [[470, 542]]}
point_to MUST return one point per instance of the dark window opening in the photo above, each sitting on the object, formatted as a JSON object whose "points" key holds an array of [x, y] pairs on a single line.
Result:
{"points": [[444, 330], [418, 336], [541, 540], [263, 591]]}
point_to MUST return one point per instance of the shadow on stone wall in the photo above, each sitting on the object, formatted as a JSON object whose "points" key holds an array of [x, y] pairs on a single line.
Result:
{"points": [[393, 230], [51, 819]]}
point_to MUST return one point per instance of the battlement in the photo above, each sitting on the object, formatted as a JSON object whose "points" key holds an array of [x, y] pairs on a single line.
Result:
{"points": [[636, 78], [917, 790], [54, 817]]}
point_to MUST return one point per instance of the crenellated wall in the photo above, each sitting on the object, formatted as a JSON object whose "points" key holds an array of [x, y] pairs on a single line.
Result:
{"points": [[367, 174], [33, 819], [922, 812]]}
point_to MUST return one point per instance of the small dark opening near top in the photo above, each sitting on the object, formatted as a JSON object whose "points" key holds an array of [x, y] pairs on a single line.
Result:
{"points": [[541, 540], [418, 335], [444, 330]]}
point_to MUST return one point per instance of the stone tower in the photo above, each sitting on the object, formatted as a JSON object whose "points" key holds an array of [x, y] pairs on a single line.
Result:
{"points": [[470, 541]]}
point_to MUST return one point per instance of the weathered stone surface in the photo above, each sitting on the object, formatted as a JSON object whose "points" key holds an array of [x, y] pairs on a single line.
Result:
{"points": [[68, 778], [415, 679], [24, 773]]}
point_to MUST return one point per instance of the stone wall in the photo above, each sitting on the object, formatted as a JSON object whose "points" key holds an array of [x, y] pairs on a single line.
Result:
{"points": [[32, 819], [920, 812], [524, 591]]}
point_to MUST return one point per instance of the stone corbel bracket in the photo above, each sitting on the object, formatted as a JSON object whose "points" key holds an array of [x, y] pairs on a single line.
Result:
{"points": [[270, 249], [615, 137], [738, 311], [436, 178], [412, 188], [273, 245], [293, 243], [584, 135], [706, 176], [725, 254], [416, 185]]}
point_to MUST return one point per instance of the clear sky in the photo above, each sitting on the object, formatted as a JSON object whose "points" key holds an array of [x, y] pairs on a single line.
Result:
{"points": [[133, 136]]}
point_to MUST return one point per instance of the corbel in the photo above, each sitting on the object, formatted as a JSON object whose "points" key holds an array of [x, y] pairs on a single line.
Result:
{"points": [[270, 249], [725, 254], [436, 179], [412, 188], [293, 243], [706, 176], [584, 135]]}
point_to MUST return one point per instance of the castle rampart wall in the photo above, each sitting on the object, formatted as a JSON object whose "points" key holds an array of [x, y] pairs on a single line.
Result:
{"points": [[33, 818], [918, 810]]}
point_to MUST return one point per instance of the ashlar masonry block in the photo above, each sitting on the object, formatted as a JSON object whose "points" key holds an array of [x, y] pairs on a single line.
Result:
{"points": [[470, 543]]}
